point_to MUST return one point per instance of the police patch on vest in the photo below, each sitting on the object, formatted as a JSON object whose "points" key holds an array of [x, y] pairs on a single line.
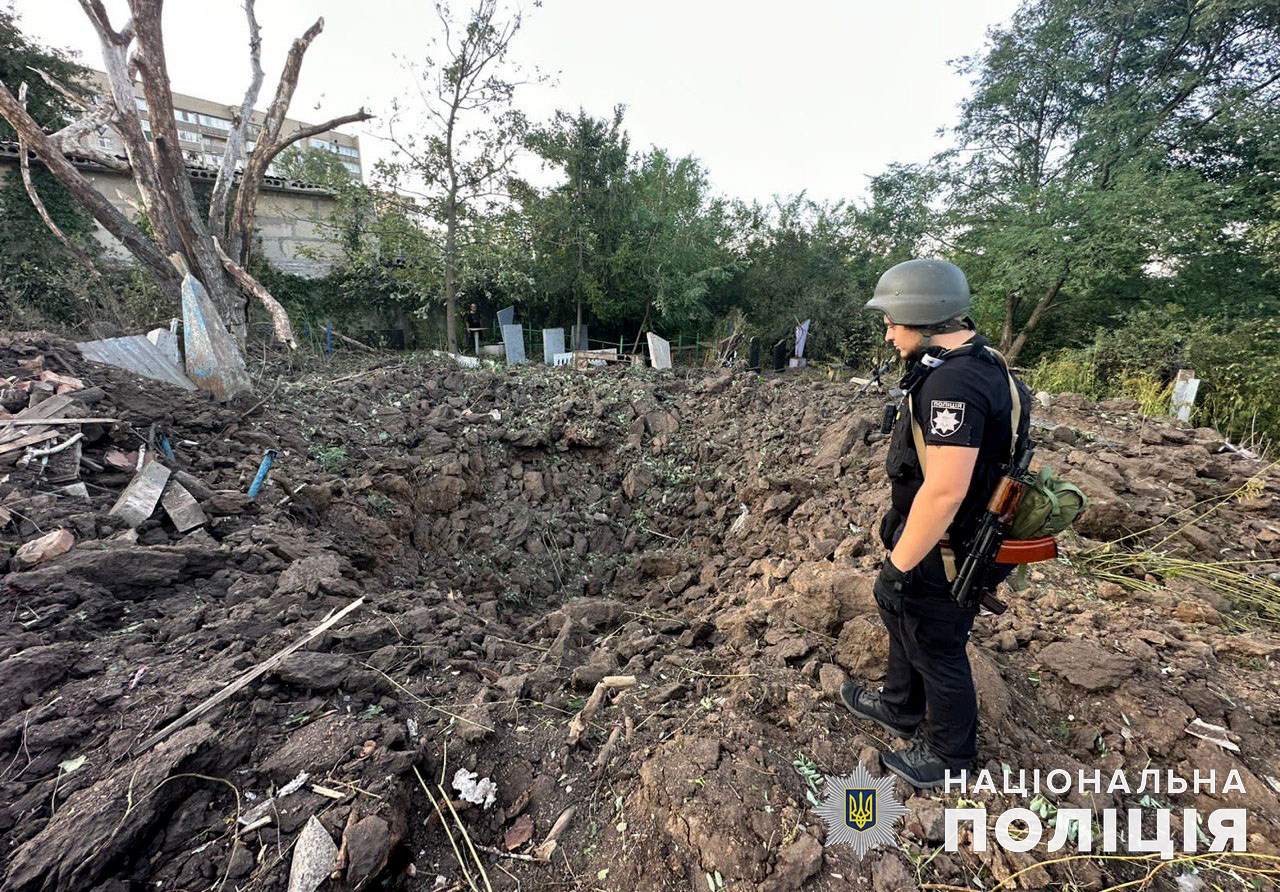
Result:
{"points": [[945, 417]]}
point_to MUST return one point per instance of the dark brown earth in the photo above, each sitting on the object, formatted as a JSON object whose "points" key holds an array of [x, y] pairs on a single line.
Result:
{"points": [[518, 536]]}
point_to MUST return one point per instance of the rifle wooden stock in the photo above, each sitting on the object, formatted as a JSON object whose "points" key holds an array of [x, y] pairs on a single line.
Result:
{"points": [[1024, 551]]}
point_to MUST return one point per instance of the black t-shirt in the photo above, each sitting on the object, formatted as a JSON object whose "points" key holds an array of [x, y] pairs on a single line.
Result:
{"points": [[963, 402], [473, 320]]}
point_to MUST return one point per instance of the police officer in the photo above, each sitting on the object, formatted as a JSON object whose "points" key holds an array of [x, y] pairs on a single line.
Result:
{"points": [[959, 394]]}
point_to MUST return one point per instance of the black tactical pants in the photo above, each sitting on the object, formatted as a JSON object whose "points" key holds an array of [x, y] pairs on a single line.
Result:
{"points": [[928, 673]]}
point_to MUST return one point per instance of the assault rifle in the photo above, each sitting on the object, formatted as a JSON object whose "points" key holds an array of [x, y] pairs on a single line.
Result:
{"points": [[970, 585]]}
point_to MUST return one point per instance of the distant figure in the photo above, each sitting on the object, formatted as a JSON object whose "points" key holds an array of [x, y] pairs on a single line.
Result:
{"points": [[474, 327]]}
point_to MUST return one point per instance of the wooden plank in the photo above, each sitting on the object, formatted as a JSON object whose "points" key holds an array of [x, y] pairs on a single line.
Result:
{"points": [[64, 465], [29, 440], [21, 422], [50, 408], [139, 499], [182, 509]]}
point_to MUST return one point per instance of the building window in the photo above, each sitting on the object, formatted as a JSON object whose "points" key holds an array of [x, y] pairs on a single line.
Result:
{"points": [[215, 122], [141, 103], [322, 144], [188, 136], [188, 117], [354, 168], [348, 152], [104, 141]]}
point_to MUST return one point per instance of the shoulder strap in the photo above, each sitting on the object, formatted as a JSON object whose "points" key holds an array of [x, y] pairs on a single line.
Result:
{"points": [[916, 434], [1015, 416]]}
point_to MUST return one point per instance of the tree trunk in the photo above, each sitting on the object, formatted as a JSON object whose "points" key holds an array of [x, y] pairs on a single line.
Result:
{"points": [[1011, 302], [573, 337], [1037, 313], [451, 272]]}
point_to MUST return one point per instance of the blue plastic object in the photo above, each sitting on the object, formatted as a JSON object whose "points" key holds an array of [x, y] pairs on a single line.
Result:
{"points": [[262, 473]]}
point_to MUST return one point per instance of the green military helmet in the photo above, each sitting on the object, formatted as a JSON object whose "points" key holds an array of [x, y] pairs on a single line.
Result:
{"points": [[921, 293]]}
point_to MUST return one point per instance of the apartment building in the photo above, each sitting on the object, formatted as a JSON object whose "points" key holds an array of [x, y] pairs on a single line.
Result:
{"points": [[203, 127]]}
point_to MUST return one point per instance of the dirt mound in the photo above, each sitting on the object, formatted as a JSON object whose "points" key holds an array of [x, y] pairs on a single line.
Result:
{"points": [[523, 540]]}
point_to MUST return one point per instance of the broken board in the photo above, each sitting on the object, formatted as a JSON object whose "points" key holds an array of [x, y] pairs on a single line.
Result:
{"points": [[139, 499], [181, 507]]}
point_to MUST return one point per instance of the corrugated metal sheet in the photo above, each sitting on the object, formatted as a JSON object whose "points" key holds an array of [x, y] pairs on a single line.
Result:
{"points": [[214, 361], [138, 355]]}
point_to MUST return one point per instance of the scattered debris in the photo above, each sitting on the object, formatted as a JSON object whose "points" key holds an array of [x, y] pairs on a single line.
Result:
{"points": [[47, 547], [213, 358], [526, 537], [140, 355], [578, 724], [314, 855], [1215, 734], [183, 510], [138, 502], [483, 792]]}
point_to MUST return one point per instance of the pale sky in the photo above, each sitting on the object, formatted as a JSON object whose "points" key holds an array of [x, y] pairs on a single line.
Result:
{"points": [[773, 97]]}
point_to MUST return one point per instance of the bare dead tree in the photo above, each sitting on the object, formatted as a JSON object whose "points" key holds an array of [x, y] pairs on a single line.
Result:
{"points": [[135, 53]]}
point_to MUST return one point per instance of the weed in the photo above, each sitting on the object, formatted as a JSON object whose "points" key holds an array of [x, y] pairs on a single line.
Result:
{"points": [[331, 458], [813, 778], [1062, 731], [379, 504]]}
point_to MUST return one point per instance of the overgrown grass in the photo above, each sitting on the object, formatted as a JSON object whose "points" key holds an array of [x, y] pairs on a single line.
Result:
{"points": [[1139, 356], [1133, 567]]}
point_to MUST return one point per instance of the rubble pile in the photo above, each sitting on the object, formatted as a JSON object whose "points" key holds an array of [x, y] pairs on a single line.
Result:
{"points": [[590, 617]]}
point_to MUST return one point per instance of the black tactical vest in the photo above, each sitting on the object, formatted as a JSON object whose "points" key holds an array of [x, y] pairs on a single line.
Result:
{"points": [[903, 464]]}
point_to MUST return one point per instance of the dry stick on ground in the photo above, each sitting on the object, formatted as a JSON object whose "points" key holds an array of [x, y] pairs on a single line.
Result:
{"points": [[578, 725], [457, 853], [256, 672]]}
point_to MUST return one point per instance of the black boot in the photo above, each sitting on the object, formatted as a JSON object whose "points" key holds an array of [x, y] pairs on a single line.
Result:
{"points": [[869, 705], [918, 766]]}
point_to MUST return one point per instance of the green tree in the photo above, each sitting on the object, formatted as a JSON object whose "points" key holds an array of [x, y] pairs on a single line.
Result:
{"points": [[38, 282], [801, 259], [19, 58], [1087, 160], [674, 246], [314, 166], [576, 227]]}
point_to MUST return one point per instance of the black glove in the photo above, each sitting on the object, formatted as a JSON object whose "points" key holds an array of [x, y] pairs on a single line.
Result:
{"points": [[888, 527], [890, 587]]}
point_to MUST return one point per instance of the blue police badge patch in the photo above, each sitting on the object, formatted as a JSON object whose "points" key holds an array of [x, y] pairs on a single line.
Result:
{"points": [[860, 808], [945, 417]]}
